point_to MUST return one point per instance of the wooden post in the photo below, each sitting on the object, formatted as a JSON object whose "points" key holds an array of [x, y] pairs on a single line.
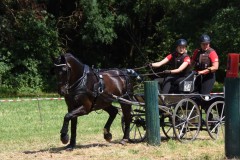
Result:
{"points": [[232, 108], [152, 113]]}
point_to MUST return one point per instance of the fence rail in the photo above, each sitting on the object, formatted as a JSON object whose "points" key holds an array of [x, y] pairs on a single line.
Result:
{"points": [[29, 99]]}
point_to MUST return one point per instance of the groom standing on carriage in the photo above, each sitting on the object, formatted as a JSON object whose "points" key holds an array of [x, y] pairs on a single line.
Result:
{"points": [[206, 63]]}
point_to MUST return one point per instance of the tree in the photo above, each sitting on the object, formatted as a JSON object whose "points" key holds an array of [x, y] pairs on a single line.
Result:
{"points": [[28, 40], [225, 29], [106, 34]]}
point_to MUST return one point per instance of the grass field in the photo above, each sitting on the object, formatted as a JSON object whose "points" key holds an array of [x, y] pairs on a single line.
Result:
{"points": [[30, 130]]}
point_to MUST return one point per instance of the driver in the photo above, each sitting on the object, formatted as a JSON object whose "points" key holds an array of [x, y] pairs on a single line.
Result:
{"points": [[180, 65]]}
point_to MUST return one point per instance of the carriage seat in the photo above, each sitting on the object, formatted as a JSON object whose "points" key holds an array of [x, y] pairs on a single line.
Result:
{"points": [[188, 84]]}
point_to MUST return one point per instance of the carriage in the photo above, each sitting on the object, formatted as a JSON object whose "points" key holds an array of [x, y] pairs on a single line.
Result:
{"points": [[183, 113]]}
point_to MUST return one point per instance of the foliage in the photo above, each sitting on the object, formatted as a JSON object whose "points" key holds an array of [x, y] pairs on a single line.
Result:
{"points": [[226, 31], [106, 34], [28, 40], [99, 22]]}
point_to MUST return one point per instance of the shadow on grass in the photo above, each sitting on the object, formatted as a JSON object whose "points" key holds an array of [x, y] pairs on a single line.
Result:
{"points": [[83, 146], [60, 149]]}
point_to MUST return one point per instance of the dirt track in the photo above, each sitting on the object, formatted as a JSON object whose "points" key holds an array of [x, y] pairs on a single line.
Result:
{"points": [[96, 151], [115, 151]]}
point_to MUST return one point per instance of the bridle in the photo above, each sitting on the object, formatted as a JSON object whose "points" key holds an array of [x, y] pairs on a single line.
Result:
{"points": [[68, 70], [79, 85]]}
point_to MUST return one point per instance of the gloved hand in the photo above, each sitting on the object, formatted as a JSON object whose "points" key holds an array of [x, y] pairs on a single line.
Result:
{"points": [[149, 65], [195, 72], [167, 72]]}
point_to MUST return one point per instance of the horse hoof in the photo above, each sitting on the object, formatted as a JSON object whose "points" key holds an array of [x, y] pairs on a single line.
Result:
{"points": [[64, 138], [69, 147], [108, 137], [124, 141]]}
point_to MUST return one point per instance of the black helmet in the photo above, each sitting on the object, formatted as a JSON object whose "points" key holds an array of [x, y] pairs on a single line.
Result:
{"points": [[181, 42], [205, 39]]}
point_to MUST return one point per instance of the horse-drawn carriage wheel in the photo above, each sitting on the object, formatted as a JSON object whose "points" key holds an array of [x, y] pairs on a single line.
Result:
{"points": [[186, 120], [138, 124], [215, 119], [166, 125]]}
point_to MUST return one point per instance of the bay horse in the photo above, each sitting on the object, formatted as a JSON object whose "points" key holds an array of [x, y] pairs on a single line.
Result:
{"points": [[86, 90]]}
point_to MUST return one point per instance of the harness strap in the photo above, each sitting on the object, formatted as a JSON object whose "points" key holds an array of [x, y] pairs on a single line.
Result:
{"points": [[99, 85], [80, 85]]}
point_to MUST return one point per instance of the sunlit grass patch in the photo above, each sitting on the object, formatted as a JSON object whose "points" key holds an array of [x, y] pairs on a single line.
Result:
{"points": [[31, 130]]}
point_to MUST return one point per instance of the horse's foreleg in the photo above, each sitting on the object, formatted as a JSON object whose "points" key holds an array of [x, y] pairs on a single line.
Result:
{"points": [[126, 109], [73, 131], [64, 131], [72, 143], [112, 111]]}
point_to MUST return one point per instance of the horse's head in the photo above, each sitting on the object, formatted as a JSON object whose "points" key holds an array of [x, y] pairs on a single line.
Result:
{"points": [[69, 72], [62, 71]]}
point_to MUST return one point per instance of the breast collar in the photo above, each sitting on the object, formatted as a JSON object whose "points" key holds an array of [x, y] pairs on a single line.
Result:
{"points": [[80, 85]]}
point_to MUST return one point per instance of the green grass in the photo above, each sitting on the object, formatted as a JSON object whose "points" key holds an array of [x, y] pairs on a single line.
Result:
{"points": [[25, 123], [29, 123], [32, 127], [218, 87]]}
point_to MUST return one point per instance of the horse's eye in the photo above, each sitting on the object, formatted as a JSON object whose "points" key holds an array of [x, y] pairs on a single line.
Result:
{"points": [[64, 68]]}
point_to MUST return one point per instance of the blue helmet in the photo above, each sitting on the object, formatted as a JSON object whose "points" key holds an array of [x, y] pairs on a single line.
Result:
{"points": [[205, 39], [181, 42]]}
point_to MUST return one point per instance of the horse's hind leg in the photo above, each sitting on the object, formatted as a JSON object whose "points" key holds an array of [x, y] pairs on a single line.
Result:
{"points": [[126, 110], [112, 111]]}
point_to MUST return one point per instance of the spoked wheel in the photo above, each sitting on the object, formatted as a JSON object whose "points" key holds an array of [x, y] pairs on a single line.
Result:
{"points": [[137, 126], [186, 120], [216, 119], [167, 125]]}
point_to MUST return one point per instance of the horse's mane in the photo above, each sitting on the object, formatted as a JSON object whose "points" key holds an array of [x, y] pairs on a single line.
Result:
{"points": [[66, 55], [70, 55]]}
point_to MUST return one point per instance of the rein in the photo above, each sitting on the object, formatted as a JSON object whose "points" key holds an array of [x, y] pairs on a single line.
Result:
{"points": [[155, 73], [149, 74], [138, 68]]}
